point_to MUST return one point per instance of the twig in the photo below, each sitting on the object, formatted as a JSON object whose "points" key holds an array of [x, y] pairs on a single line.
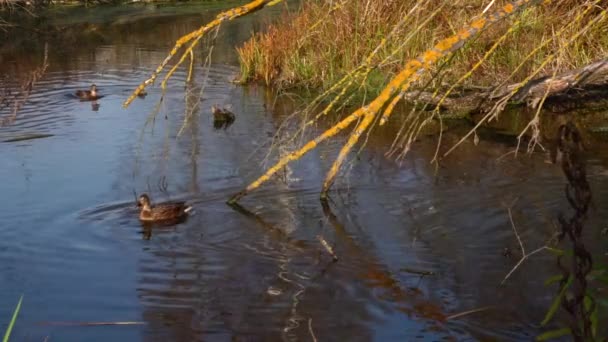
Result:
{"points": [[327, 247], [521, 244], [312, 333], [523, 250], [464, 313], [91, 324], [420, 272], [507, 154], [488, 7]]}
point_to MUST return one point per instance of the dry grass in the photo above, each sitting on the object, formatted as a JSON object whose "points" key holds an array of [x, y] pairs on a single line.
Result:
{"points": [[326, 40]]}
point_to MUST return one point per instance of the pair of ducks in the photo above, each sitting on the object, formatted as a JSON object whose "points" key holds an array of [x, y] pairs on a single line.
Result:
{"points": [[92, 95], [173, 211], [221, 116]]}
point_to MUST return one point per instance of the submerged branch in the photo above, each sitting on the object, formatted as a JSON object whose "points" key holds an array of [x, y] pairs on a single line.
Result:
{"points": [[524, 255]]}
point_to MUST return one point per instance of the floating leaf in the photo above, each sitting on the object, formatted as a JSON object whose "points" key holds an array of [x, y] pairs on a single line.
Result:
{"points": [[594, 316], [553, 279], [556, 302], [559, 252], [553, 334]]}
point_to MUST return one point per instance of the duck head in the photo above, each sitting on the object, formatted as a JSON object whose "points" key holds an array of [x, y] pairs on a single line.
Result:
{"points": [[143, 202]]}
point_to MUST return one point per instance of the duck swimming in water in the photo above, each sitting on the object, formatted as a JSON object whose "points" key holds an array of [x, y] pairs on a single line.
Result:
{"points": [[161, 212], [222, 117], [88, 95]]}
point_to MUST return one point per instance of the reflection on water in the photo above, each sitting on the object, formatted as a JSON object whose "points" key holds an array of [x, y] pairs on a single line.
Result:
{"points": [[72, 243]]}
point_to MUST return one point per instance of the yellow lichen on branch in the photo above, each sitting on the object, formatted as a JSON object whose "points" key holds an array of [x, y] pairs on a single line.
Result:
{"points": [[352, 140], [191, 68], [411, 72], [188, 52], [194, 37], [299, 153], [443, 48]]}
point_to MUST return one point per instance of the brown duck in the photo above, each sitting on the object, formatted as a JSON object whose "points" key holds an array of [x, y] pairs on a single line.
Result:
{"points": [[88, 95], [161, 212], [222, 114]]}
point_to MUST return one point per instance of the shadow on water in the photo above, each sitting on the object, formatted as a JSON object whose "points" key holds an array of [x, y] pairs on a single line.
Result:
{"points": [[417, 244]]}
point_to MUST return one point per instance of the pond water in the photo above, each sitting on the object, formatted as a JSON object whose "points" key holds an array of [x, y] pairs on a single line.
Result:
{"points": [[71, 242]]}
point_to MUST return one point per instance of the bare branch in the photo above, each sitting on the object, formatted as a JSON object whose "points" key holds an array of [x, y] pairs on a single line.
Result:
{"points": [[524, 256]]}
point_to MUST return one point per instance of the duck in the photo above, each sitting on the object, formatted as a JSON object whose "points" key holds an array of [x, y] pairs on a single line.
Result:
{"points": [[88, 95], [222, 115], [161, 212]]}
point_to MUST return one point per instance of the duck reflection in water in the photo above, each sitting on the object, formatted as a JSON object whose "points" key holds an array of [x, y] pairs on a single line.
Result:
{"points": [[95, 106]]}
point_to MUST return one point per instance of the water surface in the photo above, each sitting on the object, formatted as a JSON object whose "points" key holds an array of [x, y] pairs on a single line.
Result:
{"points": [[72, 244]]}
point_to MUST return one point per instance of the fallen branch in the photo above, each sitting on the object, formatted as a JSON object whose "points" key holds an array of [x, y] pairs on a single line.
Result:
{"points": [[583, 87]]}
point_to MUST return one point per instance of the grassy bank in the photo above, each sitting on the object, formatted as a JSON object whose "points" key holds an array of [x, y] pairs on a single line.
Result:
{"points": [[27, 5], [321, 43]]}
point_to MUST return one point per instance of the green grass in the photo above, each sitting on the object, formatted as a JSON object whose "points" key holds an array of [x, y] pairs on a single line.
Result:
{"points": [[9, 329]]}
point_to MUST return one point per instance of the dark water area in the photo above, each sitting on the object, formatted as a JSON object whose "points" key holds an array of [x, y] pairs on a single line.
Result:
{"points": [[71, 242]]}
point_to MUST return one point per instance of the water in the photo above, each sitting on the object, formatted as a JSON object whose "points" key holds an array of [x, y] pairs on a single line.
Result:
{"points": [[72, 244]]}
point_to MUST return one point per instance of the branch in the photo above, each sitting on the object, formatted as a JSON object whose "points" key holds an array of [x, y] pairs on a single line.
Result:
{"points": [[412, 71], [523, 250], [194, 37]]}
